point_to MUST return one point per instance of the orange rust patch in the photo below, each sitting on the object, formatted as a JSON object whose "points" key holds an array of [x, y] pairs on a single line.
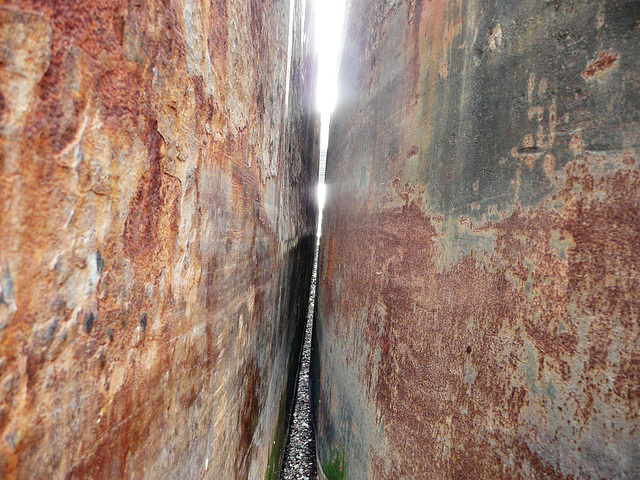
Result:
{"points": [[598, 67], [444, 70], [412, 151]]}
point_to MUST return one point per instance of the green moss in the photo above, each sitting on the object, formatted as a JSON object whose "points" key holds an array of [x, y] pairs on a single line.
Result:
{"points": [[276, 453], [335, 470]]}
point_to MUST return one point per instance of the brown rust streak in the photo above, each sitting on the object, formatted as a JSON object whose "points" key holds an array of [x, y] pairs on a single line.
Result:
{"points": [[598, 67], [247, 422]]}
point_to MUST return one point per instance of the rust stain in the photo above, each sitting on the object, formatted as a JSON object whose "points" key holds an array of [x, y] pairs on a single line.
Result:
{"points": [[600, 66], [251, 381]]}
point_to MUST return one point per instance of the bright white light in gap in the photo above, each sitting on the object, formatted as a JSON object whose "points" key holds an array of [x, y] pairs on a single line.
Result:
{"points": [[321, 192], [329, 21], [329, 16]]}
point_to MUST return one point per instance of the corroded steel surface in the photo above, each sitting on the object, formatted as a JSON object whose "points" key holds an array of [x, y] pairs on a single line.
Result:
{"points": [[478, 312], [156, 235]]}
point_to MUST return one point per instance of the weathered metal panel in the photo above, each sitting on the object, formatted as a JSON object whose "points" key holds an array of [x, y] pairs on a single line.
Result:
{"points": [[156, 235], [478, 308]]}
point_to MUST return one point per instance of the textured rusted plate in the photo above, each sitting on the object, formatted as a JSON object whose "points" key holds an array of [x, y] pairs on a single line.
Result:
{"points": [[156, 234], [478, 308]]}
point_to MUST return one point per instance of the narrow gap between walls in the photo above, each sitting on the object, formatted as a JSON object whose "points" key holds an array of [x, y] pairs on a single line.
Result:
{"points": [[300, 452]]}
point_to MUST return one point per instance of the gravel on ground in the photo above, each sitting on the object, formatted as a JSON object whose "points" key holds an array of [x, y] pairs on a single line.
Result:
{"points": [[300, 453]]}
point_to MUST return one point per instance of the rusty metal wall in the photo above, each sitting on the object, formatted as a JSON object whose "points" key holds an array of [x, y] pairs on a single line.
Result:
{"points": [[156, 235], [478, 313]]}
